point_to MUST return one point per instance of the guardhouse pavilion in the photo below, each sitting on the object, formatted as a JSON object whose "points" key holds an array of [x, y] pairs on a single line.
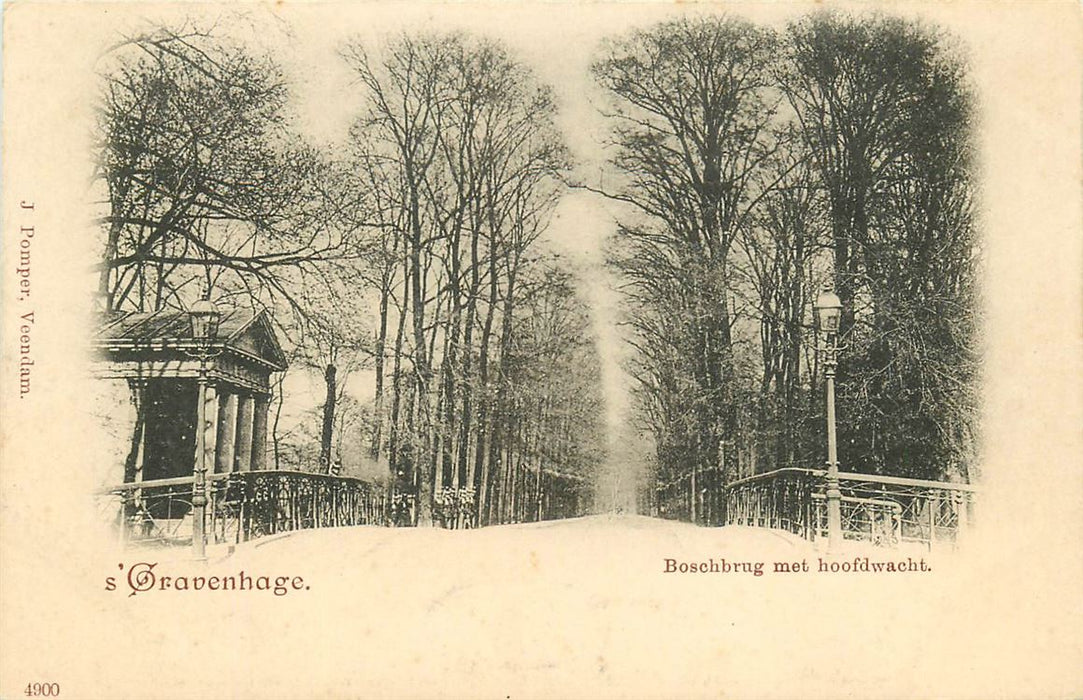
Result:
{"points": [[190, 459], [163, 361]]}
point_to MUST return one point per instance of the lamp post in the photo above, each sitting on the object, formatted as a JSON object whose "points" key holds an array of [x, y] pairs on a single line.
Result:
{"points": [[828, 310], [205, 316]]}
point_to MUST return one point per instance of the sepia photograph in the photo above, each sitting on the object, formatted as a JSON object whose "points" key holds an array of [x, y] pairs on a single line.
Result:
{"points": [[542, 350]]}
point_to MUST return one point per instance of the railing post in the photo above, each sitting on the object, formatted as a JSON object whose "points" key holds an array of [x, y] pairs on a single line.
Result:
{"points": [[934, 507], [123, 521], [962, 518], [212, 513], [692, 494], [243, 512], [807, 506]]}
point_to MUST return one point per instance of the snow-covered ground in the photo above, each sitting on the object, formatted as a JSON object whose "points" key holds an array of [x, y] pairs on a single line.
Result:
{"points": [[567, 609]]}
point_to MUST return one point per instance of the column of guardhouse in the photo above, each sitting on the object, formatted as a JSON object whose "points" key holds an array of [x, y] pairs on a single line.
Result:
{"points": [[237, 436]]}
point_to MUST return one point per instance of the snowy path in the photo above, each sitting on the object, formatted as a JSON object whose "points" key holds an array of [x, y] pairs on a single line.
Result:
{"points": [[564, 609]]}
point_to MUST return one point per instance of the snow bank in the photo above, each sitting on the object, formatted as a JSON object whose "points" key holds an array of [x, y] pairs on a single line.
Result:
{"points": [[588, 607]]}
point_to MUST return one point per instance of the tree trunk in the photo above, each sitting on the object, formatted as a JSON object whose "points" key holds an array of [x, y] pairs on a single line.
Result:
{"points": [[422, 371], [327, 434], [278, 417], [381, 350]]}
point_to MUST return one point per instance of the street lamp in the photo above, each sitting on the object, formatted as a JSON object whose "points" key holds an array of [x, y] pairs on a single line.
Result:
{"points": [[828, 308], [205, 317]]}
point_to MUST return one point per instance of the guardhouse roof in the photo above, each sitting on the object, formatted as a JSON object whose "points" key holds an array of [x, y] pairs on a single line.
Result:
{"points": [[245, 333]]}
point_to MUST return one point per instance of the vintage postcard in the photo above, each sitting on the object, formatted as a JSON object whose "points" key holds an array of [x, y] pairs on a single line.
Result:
{"points": [[541, 350]]}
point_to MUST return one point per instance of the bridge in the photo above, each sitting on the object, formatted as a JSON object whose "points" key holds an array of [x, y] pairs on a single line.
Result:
{"points": [[883, 510], [241, 506], [192, 461]]}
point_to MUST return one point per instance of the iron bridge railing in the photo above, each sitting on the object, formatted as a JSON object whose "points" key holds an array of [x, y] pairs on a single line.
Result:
{"points": [[454, 508], [244, 505], [884, 510]]}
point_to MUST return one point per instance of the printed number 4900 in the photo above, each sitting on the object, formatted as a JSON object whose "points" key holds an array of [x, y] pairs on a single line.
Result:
{"points": [[43, 690]]}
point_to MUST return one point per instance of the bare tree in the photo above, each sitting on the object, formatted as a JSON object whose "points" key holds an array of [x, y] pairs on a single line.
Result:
{"points": [[783, 251], [884, 108], [692, 114], [203, 183], [462, 141], [755, 167]]}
